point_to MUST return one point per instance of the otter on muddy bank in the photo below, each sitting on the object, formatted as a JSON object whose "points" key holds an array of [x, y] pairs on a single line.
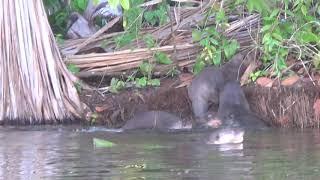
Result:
{"points": [[158, 120], [207, 85], [234, 108]]}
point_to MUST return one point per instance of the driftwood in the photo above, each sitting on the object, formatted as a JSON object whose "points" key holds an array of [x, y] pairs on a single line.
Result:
{"points": [[173, 38]]}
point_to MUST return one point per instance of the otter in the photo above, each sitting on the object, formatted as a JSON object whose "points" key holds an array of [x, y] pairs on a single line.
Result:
{"points": [[234, 109], [207, 85], [157, 120], [227, 135]]}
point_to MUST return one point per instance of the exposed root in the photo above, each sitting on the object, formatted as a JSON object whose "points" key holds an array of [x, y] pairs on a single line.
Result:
{"points": [[285, 106]]}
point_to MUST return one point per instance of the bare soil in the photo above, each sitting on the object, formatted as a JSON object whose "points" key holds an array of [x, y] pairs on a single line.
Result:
{"points": [[289, 106]]}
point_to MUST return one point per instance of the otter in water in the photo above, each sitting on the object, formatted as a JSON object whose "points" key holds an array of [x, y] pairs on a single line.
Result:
{"points": [[234, 107], [158, 120], [208, 84], [226, 135]]}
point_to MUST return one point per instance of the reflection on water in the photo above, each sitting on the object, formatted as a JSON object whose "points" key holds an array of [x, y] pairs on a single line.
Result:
{"points": [[65, 153]]}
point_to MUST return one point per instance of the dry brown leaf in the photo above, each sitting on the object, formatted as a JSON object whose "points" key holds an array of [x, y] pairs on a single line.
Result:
{"points": [[301, 71], [185, 77], [284, 120], [289, 81], [99, 109], [250, 69], [264, 82]]}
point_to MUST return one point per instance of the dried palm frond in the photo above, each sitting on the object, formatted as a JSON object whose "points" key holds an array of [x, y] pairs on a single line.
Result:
{"points": [[35, 86], [174, 39]]}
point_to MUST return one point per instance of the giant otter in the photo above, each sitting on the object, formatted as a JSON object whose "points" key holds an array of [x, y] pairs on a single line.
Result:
{"points": [[158, 120], [234, 107], [226, 135], [207, 85]]}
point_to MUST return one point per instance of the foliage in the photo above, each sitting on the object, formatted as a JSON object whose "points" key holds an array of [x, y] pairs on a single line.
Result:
{"points": [[146, 70], [173, 71], [79, 5], [216, 48], [135, 18], [149, 40], [125, 4], [116, 85], [73, 68], [158, 16], [291, 27], [288, 27], [254, 76], [58, 13], [162, 58]]}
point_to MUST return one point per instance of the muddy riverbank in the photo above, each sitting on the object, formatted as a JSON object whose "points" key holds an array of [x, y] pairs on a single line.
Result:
{"points": [[280, 106]]}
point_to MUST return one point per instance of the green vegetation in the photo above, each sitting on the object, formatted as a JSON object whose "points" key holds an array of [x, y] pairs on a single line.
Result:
{"points": [[216, 48], [287, 27], [290, 26]]}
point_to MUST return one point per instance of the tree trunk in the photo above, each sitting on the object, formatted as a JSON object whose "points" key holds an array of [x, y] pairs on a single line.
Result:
{"points": [[35, 86]]}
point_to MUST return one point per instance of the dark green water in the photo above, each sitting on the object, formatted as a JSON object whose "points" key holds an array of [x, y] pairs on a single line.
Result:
{"points": [[64, 153]]}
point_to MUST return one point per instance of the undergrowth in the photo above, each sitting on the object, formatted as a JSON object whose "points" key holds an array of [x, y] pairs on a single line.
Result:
{"points": [[288, 27]]}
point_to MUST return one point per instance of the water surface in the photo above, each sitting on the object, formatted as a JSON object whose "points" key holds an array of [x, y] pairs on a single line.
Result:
{"points": [[68, 153]]}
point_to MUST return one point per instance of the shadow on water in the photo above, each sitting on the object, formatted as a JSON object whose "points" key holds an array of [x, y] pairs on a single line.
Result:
{"points": [[68, 153]]}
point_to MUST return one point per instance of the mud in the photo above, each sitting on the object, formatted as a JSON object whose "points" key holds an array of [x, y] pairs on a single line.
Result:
{"points": [[278, 106]]}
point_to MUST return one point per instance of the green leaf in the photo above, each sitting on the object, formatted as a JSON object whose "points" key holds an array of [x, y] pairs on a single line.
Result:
{"points": [[124, 39], [154, 82], [213, 32], [146, 68], [95, 2], [125, 4], [100, 143], [198, 66], [304, 10], [196, 35], [162, 58], [213, 41], [281, 64], [266, 38], [149, 40], [79, 5], [274, 13], [217, 58], [257, 5], [231, 49], [277, 36], [141, 82], [73, 68], [266, 27], [114, 3], [238, 2], [220, 17], [116, 85], [204, 42], [307, 37]]}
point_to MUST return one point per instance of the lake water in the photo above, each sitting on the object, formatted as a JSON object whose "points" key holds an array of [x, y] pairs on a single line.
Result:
{"points": [[67, 153]]}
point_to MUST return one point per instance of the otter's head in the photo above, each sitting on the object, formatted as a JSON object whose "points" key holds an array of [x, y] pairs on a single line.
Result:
{"points": [[227, 136]]}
